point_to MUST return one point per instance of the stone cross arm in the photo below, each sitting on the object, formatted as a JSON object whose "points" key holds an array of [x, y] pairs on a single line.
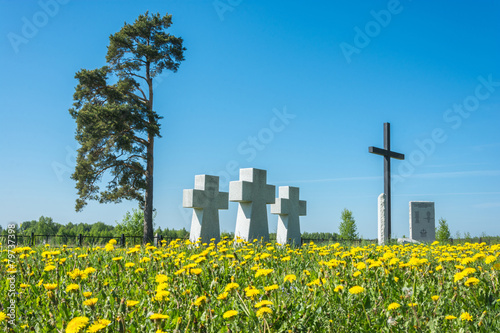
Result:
{"points": [[198, 199], [282, 207], [288, 202]]}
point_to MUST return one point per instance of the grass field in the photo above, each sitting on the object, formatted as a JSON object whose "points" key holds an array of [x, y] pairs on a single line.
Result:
{"points": [[251, 287]]}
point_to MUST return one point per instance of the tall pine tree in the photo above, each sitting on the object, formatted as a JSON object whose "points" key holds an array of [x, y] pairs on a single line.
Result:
{"points": [[115, 117]]}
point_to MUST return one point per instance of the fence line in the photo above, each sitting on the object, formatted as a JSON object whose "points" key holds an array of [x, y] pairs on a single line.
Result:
{"points": [[79, 240]]}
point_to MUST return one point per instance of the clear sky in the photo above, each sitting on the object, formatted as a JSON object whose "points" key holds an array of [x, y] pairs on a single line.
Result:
{"points": [[334, 71]]}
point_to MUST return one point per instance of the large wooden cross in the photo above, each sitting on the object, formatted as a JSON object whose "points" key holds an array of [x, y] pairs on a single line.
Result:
{"points": [[388, 154]]}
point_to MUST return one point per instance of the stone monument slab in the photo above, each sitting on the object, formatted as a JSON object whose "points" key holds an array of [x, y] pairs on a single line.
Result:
{"points": [[252, 194], [206, 200], [383, 231], [289, 208], [422, 221]]}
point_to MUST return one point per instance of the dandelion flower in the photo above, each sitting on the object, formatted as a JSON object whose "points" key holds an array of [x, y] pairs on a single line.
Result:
{"points": [[231, 286], [466, 316], [72, 287], [393, 306], [263, 303], [450, 317], [338, 288], [90, 301], [132, 303], [2, 316], [129, 264], [356, 290], [101, 324], [263, 272], [49, 268], [412, 304], [490, 259], [263, 311], [87, 294], [251, 292], [200, 300], [158, 316], [195, 271], [76, 324], [229, 314], [222, 296], [435, 298], [471, 281], [290, 278], [50, 286], [271, 287]]}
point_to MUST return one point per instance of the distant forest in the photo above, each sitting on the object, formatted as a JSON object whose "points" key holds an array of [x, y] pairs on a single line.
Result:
{"points": [[47, 226]]}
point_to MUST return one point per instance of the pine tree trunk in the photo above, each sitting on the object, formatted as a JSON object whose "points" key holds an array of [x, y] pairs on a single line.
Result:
{"points": [[148, 204]]}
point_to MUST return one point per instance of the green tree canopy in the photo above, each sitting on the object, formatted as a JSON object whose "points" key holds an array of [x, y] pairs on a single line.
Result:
{"points": [[443, 232], [115, 117], [347, 227]]}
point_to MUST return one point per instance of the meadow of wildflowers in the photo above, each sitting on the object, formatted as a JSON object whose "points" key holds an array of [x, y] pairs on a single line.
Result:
{"points": [[254, 287]]}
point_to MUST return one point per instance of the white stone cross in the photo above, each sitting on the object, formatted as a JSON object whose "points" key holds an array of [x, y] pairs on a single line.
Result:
{"points": [[253, 194], [206, 200], [289, 209]]}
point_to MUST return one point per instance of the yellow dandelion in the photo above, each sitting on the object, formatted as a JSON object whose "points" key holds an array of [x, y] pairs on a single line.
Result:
{"points": [[129, 264], [435, 298], [117, 258], [450, 317], [271, 287], [356, 290], [466, 316], [393, 306], [263, 272], [263, 311], [49, 268], [132, 303], [158, 316], [90, 301], [196, 271], [76, 324], [251, 292], [3, 316], [222, 296], [87, 294], [101, 324], [290, 278], [229, 314], [231, 286], [263, 303], [471, 281], [72, 287], [50, 286], [412, 305], [338, 288], [200, 300], [162, 295]]}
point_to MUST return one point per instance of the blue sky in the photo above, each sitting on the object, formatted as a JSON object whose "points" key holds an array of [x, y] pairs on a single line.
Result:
{"points": [[339, 69]]}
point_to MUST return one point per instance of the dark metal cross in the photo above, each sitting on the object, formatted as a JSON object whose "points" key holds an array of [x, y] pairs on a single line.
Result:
{"points": [[388, 154]]}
